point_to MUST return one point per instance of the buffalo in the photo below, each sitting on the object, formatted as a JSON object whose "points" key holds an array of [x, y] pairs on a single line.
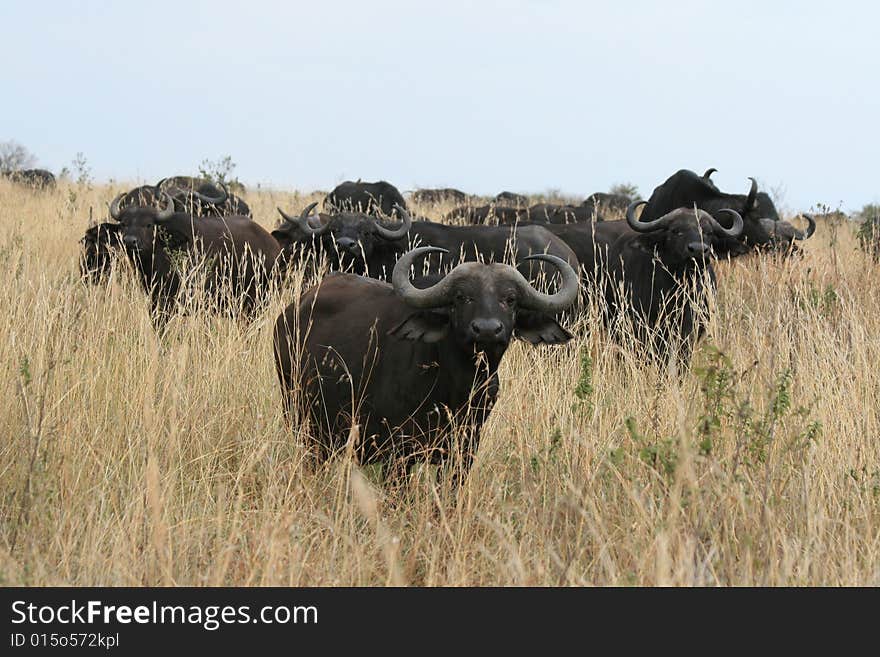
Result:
{"points": [[763, 229], [608, 203], [408, 365], [511, 198], [195, 196], [564, 214], [492, 214], [376, 198], [34, 178], [101, 246], [360, 244], [238, 255], [503, 215], [659, 275], [351, 240], [436, 196]]}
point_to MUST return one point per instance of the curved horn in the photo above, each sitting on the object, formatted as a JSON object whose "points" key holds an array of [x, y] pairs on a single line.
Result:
{"points": [[709, 173], [753, 195], [548, 303], [213, 200], [433, 297], [303, 221], [114, 206], [647, 226], [734, 231], [811, 228], [165, 215], [395, 233]]}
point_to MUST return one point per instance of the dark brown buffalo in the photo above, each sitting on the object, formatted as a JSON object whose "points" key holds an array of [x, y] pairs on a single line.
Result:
{"points": [[237, 256], [441, 195], [359, 243], [34, 178], [413, 368]]}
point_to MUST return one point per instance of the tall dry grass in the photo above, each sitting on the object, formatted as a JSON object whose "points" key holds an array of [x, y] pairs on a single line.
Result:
{"points": [[132, 459]]}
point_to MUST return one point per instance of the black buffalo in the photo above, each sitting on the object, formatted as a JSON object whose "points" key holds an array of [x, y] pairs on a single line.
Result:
{"points": [[409, 366], [34, 178], [101, 246], [360, 244], [195, 196], [552, 213], [503, 215], [375, 198], [236, 255], [608, 203], [660, 275], [589, 241], [350, 240], [492, 214], [763, 229], [441, 195], [511, 198]]}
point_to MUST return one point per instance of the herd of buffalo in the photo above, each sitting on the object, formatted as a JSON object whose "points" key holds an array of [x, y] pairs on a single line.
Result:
{"points": [[404, 337]]}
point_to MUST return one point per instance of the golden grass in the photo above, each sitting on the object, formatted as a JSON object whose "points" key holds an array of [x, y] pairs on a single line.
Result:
{"points": [[129, 459]]}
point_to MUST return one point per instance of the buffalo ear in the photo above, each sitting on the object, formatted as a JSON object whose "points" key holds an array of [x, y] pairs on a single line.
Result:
{"points": [[538, 328], [426, 326]]}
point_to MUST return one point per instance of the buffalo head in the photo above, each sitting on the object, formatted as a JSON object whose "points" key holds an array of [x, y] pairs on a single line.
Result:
{"points": [[349, 239], [482, 306], [137, 225], [684, 234]]}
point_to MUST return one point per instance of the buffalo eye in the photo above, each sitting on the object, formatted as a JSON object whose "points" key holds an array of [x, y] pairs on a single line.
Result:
{"points": [[462, 298], [510, 300]]}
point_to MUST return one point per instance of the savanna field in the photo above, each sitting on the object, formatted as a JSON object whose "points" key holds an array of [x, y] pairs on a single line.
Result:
{"points": [[128, 458]]}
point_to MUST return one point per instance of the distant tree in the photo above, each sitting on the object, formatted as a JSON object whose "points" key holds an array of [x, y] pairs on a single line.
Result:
{"points": [[629, 190], [83, 171], [220, 171], [14, 156]]}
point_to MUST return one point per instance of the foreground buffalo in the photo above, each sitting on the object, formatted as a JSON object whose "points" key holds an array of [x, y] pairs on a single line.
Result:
{"points": [[660, 277], [409, 365], [441, 195], [763, 229], [361, 244], [34, 178], [376, 198], [237, 257]]}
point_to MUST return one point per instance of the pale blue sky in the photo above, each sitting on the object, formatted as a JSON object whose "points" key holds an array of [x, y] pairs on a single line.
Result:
{"points": [[483, 96]]}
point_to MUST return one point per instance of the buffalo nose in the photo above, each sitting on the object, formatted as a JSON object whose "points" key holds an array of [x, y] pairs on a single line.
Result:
{"points": [[130, 240], [346, 244], [698, 248], [486, 328]]}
